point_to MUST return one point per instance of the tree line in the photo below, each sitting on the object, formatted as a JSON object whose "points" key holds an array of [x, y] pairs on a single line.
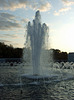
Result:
{"points": [[11, 52], [59, 56]]}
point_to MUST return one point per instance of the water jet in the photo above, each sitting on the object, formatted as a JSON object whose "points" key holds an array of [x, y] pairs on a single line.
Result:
{"points": [[37, 44]]}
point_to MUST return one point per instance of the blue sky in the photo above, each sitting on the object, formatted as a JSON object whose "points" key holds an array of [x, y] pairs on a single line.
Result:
{"points": [[57, 14]]}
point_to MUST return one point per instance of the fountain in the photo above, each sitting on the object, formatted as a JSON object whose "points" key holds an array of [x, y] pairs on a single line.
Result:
{"points": [[51, 84], [39, 69], [36, 33], [36, 43], [37, 36]]}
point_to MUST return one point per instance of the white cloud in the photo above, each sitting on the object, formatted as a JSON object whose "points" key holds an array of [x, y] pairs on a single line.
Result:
{"points": [[56, 13], [67, 7], [42, 5], [62, 10], [68, 2]]}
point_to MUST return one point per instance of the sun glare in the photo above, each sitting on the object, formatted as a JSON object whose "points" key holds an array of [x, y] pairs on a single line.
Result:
{"points": [[67, 36], [64, 38]]}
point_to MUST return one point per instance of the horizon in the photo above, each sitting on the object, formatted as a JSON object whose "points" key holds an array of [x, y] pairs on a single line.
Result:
{"points": [[59, 17], [10, 45]]}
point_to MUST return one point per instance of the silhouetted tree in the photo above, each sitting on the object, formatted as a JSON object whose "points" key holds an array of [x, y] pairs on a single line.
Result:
{"points": [[59, 56], [9, 51]]}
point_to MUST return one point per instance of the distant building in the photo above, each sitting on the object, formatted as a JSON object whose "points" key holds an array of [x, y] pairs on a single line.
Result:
{"points": [[71, 57]]}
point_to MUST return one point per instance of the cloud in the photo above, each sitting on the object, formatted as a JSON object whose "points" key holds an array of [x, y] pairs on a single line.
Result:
{"points": [[13, 39], [7, 16], [6, 41], [45, 6], [62, 10], [15, 44], [42, 5], [9, 36], [56, 13], [12, 4], [8, 22], [25, 20], [68, 3], [7, 25]]}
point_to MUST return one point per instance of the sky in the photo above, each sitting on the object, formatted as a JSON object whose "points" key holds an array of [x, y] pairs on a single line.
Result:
{"points": [[57, 14]]}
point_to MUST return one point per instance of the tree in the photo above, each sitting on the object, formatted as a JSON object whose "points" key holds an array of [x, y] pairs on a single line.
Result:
{"points": [[59, 56], [9, 51]]}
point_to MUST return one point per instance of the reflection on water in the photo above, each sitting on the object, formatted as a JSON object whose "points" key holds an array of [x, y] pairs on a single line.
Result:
{"points": [[59, 91]]}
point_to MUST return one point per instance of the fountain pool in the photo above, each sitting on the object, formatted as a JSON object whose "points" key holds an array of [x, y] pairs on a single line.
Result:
{"points": [[61, 88]]}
